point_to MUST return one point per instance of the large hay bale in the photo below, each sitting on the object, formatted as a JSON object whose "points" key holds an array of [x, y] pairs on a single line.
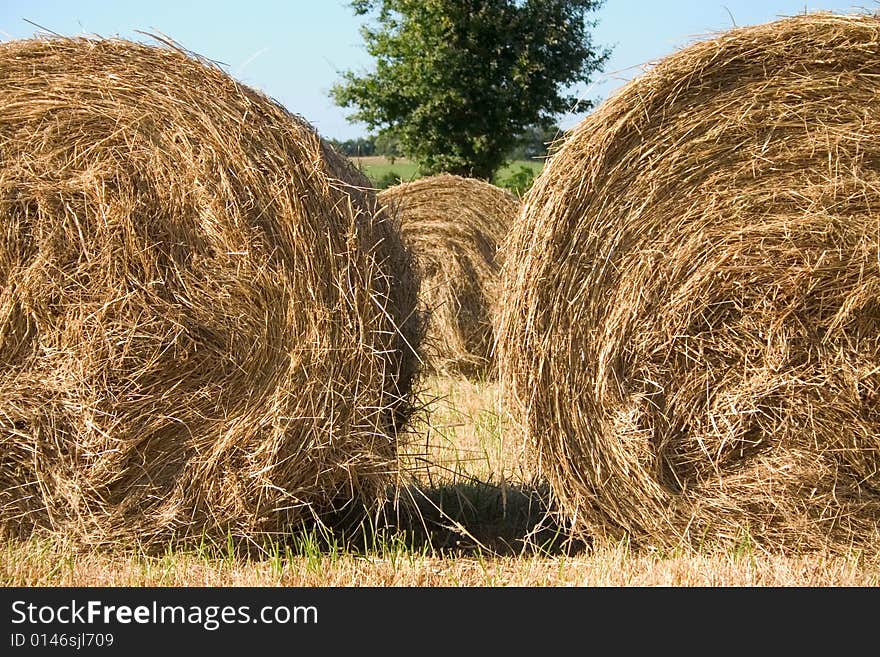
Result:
{"points": [[454, 227], [692, 329], [204, 325]]}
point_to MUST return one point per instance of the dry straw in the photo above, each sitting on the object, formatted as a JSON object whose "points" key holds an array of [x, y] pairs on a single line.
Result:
{"points": [[204, 327], [454, 227], [692, 328]]}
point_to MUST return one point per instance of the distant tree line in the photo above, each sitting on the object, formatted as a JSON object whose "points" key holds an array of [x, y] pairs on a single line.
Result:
{"points": [[360, 147], [529, 145]]}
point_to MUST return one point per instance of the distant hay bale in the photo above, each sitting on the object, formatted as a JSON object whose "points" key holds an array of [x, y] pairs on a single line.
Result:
{"points": [[692, 322], [205, 327], [454, 226]]}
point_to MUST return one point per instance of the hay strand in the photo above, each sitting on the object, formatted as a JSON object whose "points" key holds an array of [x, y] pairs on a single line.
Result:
{"points": [[692, 334], [203, 320], [454, 227]]}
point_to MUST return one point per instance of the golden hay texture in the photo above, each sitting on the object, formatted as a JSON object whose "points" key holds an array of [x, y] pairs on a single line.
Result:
{"points": [[454, 227], [204, 326], [692, 334]]}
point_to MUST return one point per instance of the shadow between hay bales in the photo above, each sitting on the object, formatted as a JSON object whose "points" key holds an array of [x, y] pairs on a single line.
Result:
{"points": [[455, 520], [477, 517], [460, 520]]}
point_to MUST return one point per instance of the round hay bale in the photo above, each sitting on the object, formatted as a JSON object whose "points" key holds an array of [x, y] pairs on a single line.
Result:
{"points": [[454, 227], [691, 332], [205, 327]]}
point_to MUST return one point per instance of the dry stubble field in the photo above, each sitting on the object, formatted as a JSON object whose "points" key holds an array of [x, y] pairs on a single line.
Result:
{"points": [[482, 522]]}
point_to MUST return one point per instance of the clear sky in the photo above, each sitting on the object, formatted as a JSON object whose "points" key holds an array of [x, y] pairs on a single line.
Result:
{"points": [[294, 50]]}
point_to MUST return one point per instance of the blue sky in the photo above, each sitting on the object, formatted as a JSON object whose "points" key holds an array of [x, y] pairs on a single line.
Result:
{"points": [[294, 50]]}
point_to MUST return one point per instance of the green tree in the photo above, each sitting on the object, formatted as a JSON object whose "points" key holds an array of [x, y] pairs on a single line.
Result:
{"points": [[457, 81]]}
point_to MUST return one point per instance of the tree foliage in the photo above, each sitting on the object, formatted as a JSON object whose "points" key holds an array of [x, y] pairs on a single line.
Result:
{"points": [[457, 81], [356, 147]]}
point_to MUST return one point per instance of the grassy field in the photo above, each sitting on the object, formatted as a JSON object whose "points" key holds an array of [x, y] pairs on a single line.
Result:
{"points": [[482, 521], [381, 170], [377, 167]]}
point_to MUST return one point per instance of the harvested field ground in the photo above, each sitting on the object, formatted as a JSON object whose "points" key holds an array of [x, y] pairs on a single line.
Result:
{"points": [[492, 531]]}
